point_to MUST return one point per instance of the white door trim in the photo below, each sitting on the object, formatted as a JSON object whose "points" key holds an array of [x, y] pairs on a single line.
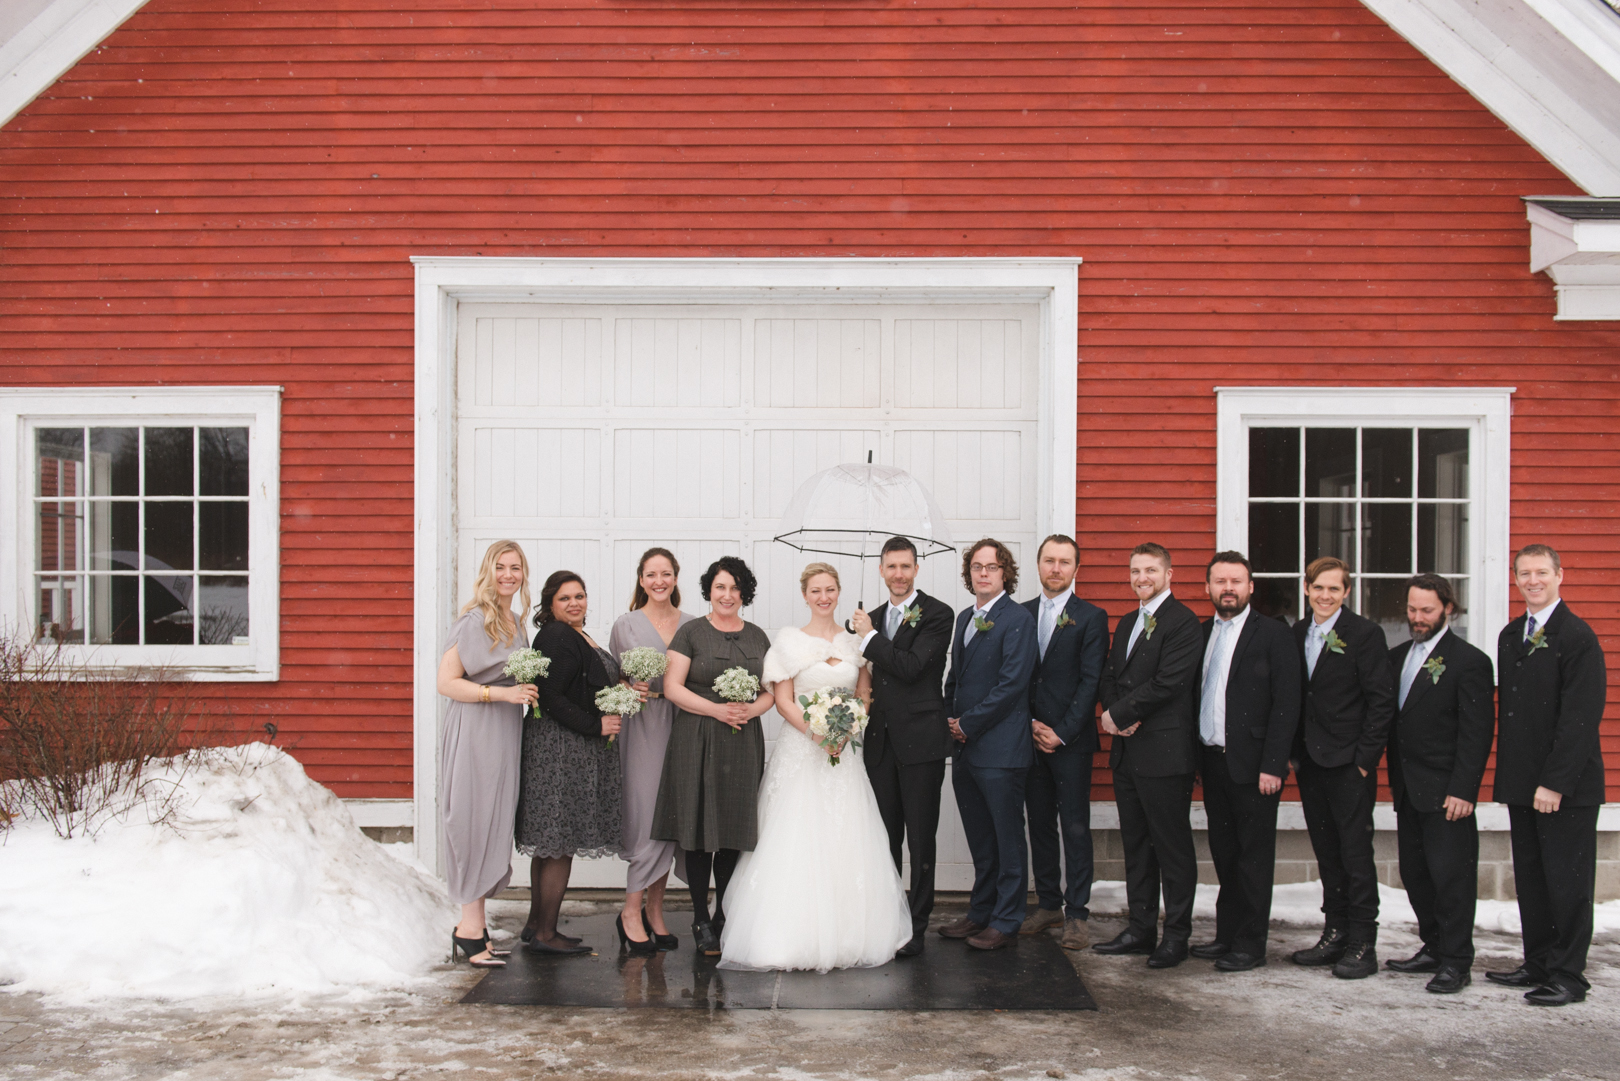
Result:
{"points": [[442, 283]]}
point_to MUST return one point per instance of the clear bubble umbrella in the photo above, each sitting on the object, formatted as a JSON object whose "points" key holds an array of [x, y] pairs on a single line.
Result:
{"points": [[850, 510]]}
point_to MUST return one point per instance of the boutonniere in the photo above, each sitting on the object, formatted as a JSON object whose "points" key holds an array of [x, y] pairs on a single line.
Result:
{"points": [[1538, 640], [1334, 643], [1436, 667], [981, 624], [910, 616], [1063, 621], [1149, 625]]}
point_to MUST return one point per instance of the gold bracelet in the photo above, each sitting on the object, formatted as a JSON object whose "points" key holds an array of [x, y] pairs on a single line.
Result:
{"points": [[484, 695]]}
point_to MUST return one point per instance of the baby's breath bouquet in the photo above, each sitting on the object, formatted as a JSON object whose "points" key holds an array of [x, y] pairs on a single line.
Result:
{"points": [[528, 666], [834, 717], [618, 701], [643, 664], [737, 685]]}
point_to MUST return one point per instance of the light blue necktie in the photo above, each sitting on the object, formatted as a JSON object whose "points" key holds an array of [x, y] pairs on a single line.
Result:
{"points": [[893, 623], [1409, 671], [1217, 664], [1048, 622], [1313, 648]]}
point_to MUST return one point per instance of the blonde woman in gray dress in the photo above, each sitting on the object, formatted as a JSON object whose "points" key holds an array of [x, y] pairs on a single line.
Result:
{"points": [[480, 744]]}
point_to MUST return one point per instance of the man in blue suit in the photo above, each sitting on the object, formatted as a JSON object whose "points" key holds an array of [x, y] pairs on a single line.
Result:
{"points": [[993, 655]]}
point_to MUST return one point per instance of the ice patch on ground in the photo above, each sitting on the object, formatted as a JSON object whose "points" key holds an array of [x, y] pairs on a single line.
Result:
{"points": [[261, 885]]}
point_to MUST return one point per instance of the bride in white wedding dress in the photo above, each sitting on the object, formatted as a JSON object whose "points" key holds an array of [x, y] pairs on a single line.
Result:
{"points": [[819, 891]]}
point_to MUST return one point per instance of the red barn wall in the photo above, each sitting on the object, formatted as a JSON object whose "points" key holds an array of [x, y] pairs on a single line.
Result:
{"points": [[1263, 192]]}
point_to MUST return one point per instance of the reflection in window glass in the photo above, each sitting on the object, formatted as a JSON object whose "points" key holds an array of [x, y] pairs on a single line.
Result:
{"points": [[1386, 462], [1330, 530], [1330, 462], [222, 461], [222, 610], [1386, 538], [169, 461], [1443, 463], [1273, 461]]}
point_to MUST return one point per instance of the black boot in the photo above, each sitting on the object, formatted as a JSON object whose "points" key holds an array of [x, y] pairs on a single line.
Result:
{"points": [[1327, 951], [1360, 960], [704, 938]]}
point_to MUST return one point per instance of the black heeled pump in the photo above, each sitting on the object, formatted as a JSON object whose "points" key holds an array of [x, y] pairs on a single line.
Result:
{"points": [[490, 947], [470, 948], [666, 943], [644, 947]]}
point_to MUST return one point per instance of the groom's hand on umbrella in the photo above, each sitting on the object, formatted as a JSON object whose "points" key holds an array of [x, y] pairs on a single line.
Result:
{"points": [[862, 622]]}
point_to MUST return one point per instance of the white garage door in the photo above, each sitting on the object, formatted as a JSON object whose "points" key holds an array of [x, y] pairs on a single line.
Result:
{"points": [[591, 432]]}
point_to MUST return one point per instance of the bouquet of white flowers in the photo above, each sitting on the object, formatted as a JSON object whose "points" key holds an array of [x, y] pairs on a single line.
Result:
{"points": [[835, 717], [618, 701], [528, 666], [643, 664], [737, 685]]}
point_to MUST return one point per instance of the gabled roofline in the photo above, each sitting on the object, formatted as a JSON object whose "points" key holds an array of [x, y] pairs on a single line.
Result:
{"points": [[56, 39]]}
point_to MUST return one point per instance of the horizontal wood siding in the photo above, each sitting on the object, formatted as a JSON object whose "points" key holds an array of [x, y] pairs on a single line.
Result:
{"points": [[1263, 192]]}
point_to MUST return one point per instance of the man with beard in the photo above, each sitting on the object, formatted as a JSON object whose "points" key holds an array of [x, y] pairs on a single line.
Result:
{"points": [[1437, 751], [1248, 710]]}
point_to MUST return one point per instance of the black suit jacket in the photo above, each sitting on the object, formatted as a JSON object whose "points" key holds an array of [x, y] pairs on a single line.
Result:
{"points": [[1262, 697], [1154, 685], [1350, 698], [568, 691], [908, 707], [1068, 676], [1442, 734], [1551, 704]]}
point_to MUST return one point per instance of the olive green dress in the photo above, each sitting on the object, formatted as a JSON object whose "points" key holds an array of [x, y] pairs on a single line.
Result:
{"points": [[708, 794]]}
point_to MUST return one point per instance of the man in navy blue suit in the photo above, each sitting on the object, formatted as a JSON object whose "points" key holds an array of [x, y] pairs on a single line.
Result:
{"points": [[987, 702], [1072, 639]]}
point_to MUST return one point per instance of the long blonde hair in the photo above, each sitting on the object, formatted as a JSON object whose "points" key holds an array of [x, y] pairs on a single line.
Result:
{"points": [[486, 597]]}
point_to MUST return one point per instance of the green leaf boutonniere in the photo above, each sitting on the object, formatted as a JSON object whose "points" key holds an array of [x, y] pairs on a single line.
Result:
{"points": [[981, 624], [910, 616], [1064, 620], [1537, 640], [1149, 625], [1436, 667], [1334, 643]]}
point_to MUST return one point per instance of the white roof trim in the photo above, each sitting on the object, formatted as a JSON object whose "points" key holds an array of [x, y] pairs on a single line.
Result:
{"points": [[1549, 69], [53, 42], [1580, 254]]}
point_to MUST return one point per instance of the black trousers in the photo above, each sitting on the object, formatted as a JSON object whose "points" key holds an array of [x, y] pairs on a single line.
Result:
{"points": [[1057, 798], [1440, 869], [1156, 832], [991, 802], [1243, 844], [1555, 872], [1338, 806], [908, 799]]}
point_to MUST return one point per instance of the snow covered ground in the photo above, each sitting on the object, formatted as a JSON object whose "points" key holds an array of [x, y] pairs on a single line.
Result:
{"points": [[261, 885]]}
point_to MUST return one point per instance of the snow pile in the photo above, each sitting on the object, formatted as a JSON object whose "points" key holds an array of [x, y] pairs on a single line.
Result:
{"points": [[262, 884]]}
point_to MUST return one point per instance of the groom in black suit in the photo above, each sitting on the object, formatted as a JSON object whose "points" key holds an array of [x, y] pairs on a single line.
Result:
{"points": [[907, 739], [987, 696]]}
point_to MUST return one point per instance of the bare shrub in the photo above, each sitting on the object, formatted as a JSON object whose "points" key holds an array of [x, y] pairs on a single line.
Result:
{"points": [[78, 744]]}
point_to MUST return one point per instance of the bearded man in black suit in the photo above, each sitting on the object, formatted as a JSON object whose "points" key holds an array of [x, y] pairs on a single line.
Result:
{"points": [[1549, 771], [1349, 704], [1437, 752], [907, 739]]}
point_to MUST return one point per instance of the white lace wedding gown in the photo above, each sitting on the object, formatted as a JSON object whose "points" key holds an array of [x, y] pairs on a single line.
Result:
{"points": [[819, 891]]}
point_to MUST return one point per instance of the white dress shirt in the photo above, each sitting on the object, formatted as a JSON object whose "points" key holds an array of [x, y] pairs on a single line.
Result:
{"points": [[1316, 639], [883, 615], [1540, 617], [1046, 619], [1414, 663], [1150, 605], [984, 612], [1223, 638]]}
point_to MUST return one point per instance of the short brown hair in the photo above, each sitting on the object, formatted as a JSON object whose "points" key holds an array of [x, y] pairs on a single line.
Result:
{"points": [[1157, 551], [1537, 550], [1439, 587], [1227, 557], [1004, 557], [1322, 564], [1059, 538]]}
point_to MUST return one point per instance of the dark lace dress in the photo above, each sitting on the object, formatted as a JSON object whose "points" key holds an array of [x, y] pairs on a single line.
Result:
{"points": [[570, 802]]}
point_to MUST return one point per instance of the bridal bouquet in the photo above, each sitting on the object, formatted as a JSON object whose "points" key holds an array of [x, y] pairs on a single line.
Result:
{"points": [[528, 666], [737, 685], [834, 718], [618, 701], [643, 664]]}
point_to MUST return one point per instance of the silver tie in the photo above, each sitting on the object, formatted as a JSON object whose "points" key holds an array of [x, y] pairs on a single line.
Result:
{"points": [[893, 623]]}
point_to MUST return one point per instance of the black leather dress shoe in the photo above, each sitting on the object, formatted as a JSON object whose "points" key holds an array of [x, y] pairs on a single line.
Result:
{"points": [[1449, 980], [1209, 951], [1171, 952], [1327, 951], [912, 948], [1127, 941], [1421, 961], [1240, 962], [1556, 994], [1519, 977]]}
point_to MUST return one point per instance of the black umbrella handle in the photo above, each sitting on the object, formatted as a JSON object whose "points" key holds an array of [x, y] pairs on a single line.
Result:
{"points": [[850, 627]]}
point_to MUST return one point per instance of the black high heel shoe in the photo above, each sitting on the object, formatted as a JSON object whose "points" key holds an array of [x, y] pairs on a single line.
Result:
{"points": [[644, 947], [490, 948], [666, 943], [470, 948]]}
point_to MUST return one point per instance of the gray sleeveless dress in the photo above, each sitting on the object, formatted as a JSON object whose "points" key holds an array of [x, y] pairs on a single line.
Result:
{"points": [[479, 750]]}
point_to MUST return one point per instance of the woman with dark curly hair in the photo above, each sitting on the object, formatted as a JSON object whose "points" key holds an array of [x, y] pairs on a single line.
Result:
{"points": [[708, 794]]}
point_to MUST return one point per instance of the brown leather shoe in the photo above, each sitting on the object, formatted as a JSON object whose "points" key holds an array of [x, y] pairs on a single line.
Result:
{"points": [[1040, 920], [962, 928], [991, 939], [1076, 935]]}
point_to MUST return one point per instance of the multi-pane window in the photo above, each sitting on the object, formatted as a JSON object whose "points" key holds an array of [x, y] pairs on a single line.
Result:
{"points": [[142, 535], [1389, 501]]}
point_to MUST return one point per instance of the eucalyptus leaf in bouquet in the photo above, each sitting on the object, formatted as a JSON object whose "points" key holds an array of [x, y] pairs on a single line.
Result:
{"points": [[643, 664], [528, 666], [835, 717]]}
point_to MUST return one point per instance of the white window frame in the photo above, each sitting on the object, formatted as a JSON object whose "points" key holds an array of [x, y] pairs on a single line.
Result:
{"points": [[22, 410], [1485, 411]]}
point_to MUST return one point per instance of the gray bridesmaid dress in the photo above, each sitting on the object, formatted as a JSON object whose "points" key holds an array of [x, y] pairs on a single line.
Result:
{"points": [[479, 750], [641, 749]]}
